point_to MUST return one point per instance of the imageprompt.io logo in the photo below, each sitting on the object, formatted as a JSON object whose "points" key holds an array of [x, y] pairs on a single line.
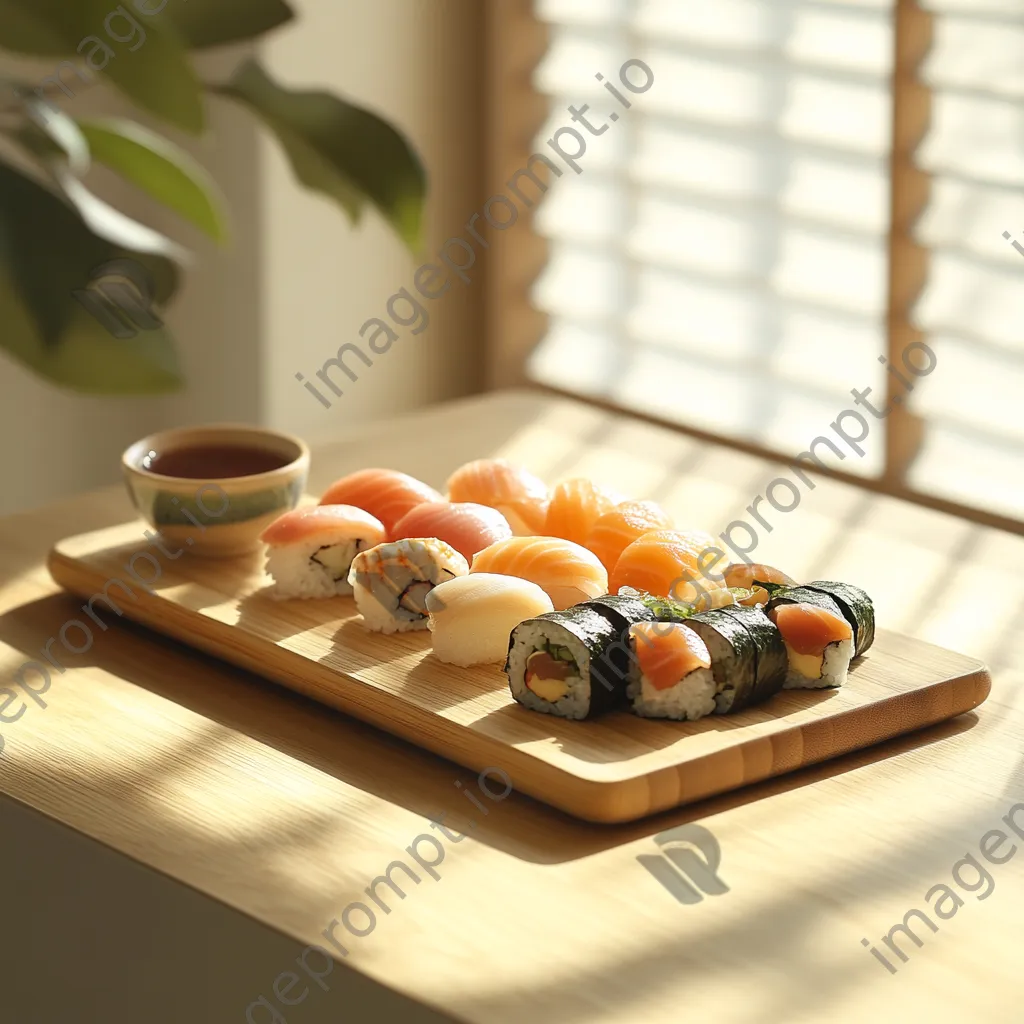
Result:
{"points": [[688, 863], [120, 297]]}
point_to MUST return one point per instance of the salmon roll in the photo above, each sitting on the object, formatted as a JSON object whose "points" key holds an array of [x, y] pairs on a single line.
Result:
{"points": [[552, 660], [855, 606], [671, 673], [667, 563], [468, 527], [819, 645], [391, 581], [757, 577], [576, 505], [310, 550], [625, 523], [383, 493], [517, 494], [566, 572]]}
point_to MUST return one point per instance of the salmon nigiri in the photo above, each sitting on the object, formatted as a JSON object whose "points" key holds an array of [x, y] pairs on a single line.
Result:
{"points": [[617, 529], [311, 549], [765, 578], [819, 645], [671, 675], [469, 528], [517, 494], [667, 563], [566, 572], [576, 505], [383, 493]]}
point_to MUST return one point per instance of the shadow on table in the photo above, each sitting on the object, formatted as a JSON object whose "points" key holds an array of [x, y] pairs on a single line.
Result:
{"points": [[360, 755]]}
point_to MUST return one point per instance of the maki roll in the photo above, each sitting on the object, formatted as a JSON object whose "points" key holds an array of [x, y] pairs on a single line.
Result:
{"points": [[819, 645], [772, 661], [733, 658], [391, 581], [551, 659], [620, 611], [855, 606], [671, 674], [803, 595]]}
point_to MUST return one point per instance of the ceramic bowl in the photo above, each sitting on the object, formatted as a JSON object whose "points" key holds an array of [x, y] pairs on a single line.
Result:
{"points": [[215, 516]]}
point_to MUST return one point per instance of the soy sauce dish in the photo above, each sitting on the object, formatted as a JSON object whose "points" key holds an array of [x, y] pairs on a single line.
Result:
{"points": [[213, 490]]}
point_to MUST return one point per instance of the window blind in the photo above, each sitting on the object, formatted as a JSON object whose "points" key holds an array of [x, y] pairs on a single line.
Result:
{"points": [[721, 259], [971, 310]]}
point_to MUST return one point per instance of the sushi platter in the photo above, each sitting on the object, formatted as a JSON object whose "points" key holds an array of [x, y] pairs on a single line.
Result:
{"points": [[581, 642]]}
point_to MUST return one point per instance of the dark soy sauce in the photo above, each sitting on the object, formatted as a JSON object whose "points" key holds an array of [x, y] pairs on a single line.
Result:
{"points": [[213, 461]]}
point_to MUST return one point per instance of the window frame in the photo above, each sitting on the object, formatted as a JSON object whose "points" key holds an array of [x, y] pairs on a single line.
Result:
{"points": [[515, 41]]}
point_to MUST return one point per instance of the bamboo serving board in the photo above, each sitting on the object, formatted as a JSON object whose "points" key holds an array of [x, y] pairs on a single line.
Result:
{"points": [[614, 769]]}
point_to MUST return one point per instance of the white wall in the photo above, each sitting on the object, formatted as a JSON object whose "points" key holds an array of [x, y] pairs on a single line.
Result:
{"points": [[297, 279]]}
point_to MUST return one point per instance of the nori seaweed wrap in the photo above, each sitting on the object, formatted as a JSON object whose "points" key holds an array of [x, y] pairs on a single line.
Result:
{"points": [[772, 658], [855, 605], [571, 663], [733, 653], [804, 595]]}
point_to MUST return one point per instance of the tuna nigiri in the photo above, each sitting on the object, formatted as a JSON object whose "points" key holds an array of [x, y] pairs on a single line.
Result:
{"points": [[819, 645], [311, 549], [566, 572], [517, 494], [616, 530], [576, 505], [469, 528], [667, 563], [671, 675], [383, 493]]}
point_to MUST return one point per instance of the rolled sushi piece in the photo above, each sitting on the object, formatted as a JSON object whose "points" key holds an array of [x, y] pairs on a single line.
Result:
{"points": [[471, 617], [549, 664], [391, 581], [733, 658], [621, 612], [802, 595], [671, 675], [856, 607], [310, 550], [772, 662], [819, 645]]}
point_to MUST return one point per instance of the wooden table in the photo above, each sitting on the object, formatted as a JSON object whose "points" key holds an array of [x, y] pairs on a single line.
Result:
{"points": [[285, 812]]}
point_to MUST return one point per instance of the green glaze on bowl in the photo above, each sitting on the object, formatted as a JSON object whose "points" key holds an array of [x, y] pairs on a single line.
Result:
{"points": [[219, 517]]}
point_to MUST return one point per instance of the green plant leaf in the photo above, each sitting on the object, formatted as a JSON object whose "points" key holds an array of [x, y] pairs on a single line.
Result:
{"points": [[158, 167], [338, 149], [217, 22], [47, 255], [145, 57]]}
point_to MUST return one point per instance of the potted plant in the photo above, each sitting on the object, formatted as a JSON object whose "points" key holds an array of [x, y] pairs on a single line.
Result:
{"points": [[81, 283]]}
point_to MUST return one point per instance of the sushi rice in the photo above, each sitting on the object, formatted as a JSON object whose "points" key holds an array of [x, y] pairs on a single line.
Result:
{"points": [[391, 581]]}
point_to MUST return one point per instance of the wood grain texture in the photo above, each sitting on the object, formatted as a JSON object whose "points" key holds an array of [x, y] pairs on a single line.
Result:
{"points": [[286, 810], [616, 768]]}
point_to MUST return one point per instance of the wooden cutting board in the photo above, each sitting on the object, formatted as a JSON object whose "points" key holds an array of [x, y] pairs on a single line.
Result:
{"points": [[618, 768]]}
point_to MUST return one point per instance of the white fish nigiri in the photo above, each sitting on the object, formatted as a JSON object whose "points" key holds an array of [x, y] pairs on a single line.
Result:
{"points": [[471, 617]]}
